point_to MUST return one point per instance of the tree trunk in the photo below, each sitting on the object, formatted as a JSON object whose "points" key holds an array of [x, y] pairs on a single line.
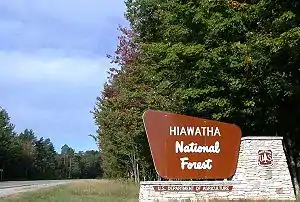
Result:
{"points": [[294, 175], [138, 173], [26, 172], [134, 168], [65, 167], [291, 163], [144, 174], [70, 168]]}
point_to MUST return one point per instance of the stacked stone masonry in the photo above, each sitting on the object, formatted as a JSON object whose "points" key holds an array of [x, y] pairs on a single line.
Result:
{"points": [[251, 181]]}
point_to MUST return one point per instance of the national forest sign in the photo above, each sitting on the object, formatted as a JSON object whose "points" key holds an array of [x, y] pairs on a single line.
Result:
{"points": [[185, 147]]}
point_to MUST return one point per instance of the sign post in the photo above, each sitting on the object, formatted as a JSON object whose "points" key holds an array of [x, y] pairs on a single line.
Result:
{"points": [[185, 148]]}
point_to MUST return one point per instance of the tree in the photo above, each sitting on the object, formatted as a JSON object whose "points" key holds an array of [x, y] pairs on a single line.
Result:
{"points": [[8, 148], [25, 157], [67, 153], [118, 113], [28, 151], [45, 161], [222, 60]]}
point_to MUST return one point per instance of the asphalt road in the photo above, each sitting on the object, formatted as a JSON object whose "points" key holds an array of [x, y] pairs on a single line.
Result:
{"points": [[13, 187]]}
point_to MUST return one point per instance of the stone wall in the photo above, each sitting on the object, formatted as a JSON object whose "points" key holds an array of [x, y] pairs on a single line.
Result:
{"points": [[259, 175]]}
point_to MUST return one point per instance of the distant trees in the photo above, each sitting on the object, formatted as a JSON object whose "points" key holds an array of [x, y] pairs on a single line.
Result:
{"points": [[234, 61], [24, 156]]}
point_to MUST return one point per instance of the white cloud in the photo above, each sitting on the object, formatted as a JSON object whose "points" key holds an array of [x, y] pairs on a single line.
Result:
{"points": [[55, 68], [52, 93]]}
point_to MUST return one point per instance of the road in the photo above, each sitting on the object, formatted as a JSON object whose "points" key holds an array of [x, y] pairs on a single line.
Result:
{"points": [[13, 187]]}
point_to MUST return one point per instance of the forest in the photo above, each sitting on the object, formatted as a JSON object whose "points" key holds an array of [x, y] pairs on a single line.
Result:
{"points": [[231, 61], [24, 156]]}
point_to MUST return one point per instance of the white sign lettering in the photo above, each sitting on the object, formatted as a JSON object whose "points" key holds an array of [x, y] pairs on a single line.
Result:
{"points": [[193, 131], [193, 147], [195, 165]]}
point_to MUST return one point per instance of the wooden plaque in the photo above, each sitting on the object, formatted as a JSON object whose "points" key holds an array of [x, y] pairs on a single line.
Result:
{"points": [[185, 147]]}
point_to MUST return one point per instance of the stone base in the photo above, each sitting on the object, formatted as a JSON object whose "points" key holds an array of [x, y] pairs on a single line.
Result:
{"points": [[255, 177], [208, 190]]}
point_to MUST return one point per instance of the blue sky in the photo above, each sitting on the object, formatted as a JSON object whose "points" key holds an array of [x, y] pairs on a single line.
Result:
{"points": [[53, 64]]}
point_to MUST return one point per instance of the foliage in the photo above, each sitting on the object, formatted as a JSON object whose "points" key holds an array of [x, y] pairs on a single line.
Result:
{"points": [[233, 61], [24, 156]]}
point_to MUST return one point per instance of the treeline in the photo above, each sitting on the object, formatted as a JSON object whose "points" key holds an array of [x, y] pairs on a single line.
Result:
{"points": [[24, 156], [233, 61]]}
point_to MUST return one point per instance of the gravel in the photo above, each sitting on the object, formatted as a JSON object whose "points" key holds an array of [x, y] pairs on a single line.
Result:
{"points": [[14, 187]]}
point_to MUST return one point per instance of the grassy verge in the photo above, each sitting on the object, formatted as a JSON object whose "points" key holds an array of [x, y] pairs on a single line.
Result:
{"points": [[84, 191]]}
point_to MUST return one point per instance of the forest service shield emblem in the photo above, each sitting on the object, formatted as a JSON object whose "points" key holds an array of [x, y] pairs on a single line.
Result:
{"points": [[265, 157]]}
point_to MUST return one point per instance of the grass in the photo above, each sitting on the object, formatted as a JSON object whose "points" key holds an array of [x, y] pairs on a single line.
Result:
{"points": [[83, 191]]}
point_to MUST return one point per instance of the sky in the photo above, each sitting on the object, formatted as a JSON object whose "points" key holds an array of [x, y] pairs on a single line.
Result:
{"points": [[53, 64]]}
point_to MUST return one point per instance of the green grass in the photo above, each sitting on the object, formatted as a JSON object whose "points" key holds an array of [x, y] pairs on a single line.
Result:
{"points": [[86, 191]]}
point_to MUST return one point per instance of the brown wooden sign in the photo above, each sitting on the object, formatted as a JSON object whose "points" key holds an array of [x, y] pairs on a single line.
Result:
{"points": [[185, 147]]}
